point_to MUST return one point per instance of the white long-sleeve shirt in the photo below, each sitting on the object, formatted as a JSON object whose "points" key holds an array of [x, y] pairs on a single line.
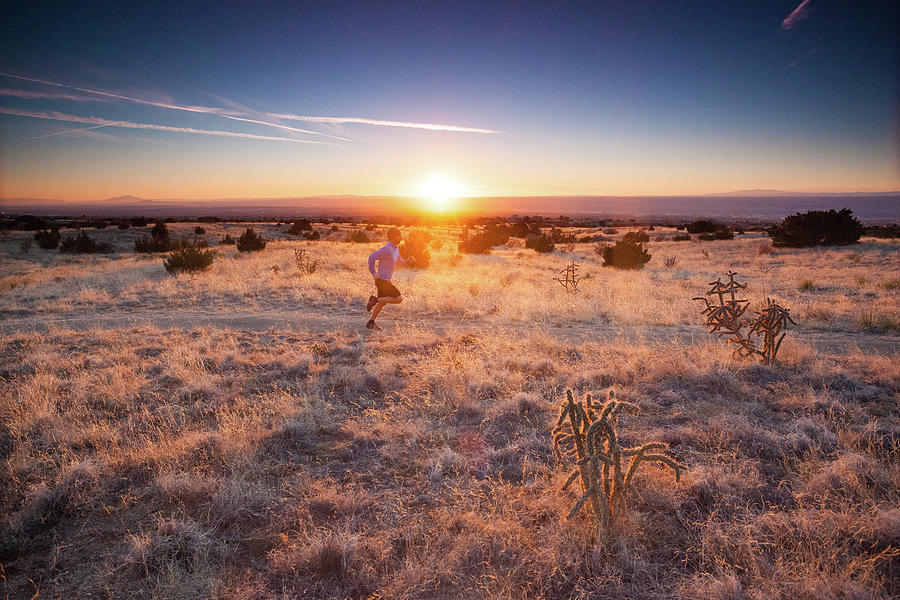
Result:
{"points": [[387, 257]]}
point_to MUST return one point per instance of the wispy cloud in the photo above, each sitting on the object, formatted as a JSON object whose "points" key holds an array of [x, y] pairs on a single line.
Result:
{"points": [[55, 116], [220, 112], [285, 127], [411, 125], [246, 117], [800, 13], [29, 95], [67, 132]]}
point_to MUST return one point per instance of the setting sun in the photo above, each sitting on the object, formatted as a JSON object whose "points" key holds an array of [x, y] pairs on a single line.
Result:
{"points": [[440, 193]]}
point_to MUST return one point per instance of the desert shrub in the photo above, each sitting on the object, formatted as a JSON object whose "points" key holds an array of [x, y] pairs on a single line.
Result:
{"points": [[807, 285], [357, 236], [159, 240], [312, 235], [48, 239], [481, 243], [306, 265], [523, 230], [189, 259], [540, 243], [124, 224], [765, 249], [417, 247], [670, 261], [300, 227], [817, 227], [703, 226], [250, 241], [682, 237], [708, 230], [139, 222], [558, 237], [721, 234], [227, 240], [455, 259], [638, 237], [625, 255], [199, 231], [83, 244], [371, 227]]}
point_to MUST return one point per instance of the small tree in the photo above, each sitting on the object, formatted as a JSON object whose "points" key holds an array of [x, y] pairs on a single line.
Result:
{"points": [[158, 241], [250, 241], [817, 227], [189, 259], [625, 255], [540, 243]]}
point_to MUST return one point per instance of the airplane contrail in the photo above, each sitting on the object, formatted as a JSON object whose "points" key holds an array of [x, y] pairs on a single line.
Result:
{"points": [[55, 116], [219, 112], [236, 116], [364, 121]]}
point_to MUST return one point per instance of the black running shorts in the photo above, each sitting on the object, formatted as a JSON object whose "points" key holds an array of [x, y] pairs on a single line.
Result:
{"points": [[386, 288]]}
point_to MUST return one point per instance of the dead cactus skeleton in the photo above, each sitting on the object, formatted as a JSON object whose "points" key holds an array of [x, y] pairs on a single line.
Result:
{"points": [[725, 318]]}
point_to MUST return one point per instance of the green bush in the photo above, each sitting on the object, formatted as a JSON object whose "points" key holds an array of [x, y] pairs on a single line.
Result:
{"points": [[300, 227], [638, 236], [625, 255], [481, 243], [48, 239], [358, 237], [250, 241], [416, 247], [720, 234], [227, 240], [817, 227], [189, 259], [83, 244], [540, 243], [158, 241]]}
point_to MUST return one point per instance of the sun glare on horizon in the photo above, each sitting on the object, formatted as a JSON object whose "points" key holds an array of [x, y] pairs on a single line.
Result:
{"points": [[440, 193]]}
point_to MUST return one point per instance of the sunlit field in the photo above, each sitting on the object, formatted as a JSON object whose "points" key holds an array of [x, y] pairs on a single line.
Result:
{"points": [[239, 433]]}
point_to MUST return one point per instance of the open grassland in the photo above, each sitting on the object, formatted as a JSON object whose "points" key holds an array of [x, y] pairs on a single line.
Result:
{"points": [[312, 461]]}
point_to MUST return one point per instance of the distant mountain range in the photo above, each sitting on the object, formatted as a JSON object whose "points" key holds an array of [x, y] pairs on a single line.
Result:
{"points": [[784, 194], [745, 205]]}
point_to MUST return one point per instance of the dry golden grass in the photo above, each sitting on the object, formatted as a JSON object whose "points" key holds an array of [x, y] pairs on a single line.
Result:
{"points": [[319, 462]]}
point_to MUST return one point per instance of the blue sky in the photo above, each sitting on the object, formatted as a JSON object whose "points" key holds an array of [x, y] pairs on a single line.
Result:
{"points": [[205, 99]]}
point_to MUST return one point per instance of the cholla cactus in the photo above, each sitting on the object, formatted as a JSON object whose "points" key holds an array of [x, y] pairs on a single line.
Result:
{"points": [[726, 319], [586, 432], [769, 323]]}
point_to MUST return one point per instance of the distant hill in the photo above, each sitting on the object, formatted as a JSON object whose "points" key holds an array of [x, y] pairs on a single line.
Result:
{"points": [[784, 194]]}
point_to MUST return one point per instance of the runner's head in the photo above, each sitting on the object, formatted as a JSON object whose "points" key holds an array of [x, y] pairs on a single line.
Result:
{"points": [[393, 235]]}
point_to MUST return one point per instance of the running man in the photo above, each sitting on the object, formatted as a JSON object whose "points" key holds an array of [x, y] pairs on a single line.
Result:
{"points": [[387, 257]]}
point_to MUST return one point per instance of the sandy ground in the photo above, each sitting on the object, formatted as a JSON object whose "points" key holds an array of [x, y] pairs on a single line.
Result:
{"points": [[393, 321]]}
